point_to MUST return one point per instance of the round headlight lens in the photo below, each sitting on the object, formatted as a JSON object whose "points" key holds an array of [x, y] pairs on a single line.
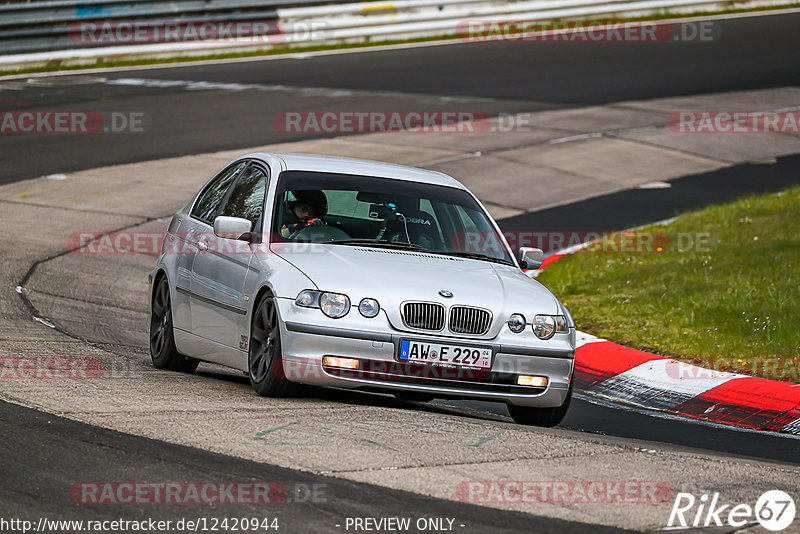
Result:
{"points": [[334, 305], [369, 307], [516, 323], [544, 326]]}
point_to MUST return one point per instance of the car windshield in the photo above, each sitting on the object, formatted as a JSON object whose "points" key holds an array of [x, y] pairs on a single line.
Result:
{"points": [[362, 210]]}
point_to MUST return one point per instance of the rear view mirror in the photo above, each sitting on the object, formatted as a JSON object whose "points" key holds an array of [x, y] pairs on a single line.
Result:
{"points": [[381, 211], [372, 198], [232, 228], [530, 258]]}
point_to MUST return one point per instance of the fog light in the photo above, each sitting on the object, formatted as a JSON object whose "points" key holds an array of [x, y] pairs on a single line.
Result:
{"points": [[344, 363], [533, 381]]}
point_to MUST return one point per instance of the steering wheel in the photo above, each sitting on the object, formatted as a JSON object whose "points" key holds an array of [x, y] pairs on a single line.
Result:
{"points": [[318, 233]]}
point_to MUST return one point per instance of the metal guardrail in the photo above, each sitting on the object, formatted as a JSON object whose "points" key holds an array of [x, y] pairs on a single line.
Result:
{"points": [[43, 26], [39, 33]]}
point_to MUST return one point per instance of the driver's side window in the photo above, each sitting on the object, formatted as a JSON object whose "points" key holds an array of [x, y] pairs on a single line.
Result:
{"points": [[246, 199], [212, 196]]}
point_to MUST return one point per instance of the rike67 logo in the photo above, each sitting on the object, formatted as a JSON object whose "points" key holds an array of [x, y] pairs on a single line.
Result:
{"points": [[774, 510]]}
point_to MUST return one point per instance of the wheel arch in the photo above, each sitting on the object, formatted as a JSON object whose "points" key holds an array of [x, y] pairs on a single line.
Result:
{"points": [[157, 276], [264, 290]]}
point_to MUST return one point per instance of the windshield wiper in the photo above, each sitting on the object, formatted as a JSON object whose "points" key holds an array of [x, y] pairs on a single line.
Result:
{"points": [[474, 256], [379, 243]]}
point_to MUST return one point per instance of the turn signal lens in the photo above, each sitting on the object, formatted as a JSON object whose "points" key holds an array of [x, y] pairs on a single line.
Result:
{"points": [[533, 381], [344, 363]]}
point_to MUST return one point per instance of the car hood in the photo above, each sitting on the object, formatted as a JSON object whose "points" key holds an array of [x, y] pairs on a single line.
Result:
{"points": [[394, 276]]}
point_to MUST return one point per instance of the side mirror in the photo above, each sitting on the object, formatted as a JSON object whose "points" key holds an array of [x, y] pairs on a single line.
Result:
{"points": [[530, 258], [232, 228]]}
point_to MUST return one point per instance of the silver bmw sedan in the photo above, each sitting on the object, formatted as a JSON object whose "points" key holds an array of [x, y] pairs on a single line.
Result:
{"points": [[336, 272]]}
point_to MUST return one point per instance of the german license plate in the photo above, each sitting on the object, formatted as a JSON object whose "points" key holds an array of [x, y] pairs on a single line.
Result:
{"points": [[435, 353]]}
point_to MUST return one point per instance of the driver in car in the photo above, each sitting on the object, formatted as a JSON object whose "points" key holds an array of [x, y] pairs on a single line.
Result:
{"points": [[308, 208]]}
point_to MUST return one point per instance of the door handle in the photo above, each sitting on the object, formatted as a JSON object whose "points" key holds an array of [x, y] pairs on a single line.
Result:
{"points": [[202, 245]]}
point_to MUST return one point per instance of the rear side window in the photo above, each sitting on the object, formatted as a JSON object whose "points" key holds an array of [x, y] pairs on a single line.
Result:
{"points": [[247, 196], [212, 196]]}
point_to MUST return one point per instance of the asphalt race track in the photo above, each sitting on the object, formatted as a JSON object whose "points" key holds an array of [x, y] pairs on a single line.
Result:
{"points": [[33, 442], [493, 77], [198, 109], [635, 207]]}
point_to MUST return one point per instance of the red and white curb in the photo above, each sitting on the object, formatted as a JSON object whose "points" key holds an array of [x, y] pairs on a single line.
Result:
{"points": [[611, 371], [608, 370]]}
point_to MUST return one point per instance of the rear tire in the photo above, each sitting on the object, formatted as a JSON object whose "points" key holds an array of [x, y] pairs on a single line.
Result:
{"points": [[547, 417], [264, 357], [163, 351]]}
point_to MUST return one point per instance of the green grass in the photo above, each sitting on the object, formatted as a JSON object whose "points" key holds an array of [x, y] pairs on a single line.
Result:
{"points": [[57, 66], [732, 304]]}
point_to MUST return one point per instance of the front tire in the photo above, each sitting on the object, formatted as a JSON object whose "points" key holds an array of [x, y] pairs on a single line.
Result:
{"points": [[264, 356], [546, 417], [163, 351]]}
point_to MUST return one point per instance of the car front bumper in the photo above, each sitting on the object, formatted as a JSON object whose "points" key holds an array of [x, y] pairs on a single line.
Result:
{"points": [[305, 342]]}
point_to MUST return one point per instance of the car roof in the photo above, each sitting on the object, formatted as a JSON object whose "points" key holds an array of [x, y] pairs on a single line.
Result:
{"points": [[361, 167]]}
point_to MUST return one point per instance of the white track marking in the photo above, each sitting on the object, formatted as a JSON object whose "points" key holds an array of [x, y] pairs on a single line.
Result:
{"points": [[662, 383], [327, 92], [582, 338], [654, 185]]}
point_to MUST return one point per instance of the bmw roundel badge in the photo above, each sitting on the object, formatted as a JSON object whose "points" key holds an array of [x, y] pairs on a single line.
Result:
{"points": [[446, 294]]}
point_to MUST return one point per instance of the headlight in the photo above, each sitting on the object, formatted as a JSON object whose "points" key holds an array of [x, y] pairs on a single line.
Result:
{"points": [[308, 298], [369, 307], [544, 326], [516, 323], [334, 305]]}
